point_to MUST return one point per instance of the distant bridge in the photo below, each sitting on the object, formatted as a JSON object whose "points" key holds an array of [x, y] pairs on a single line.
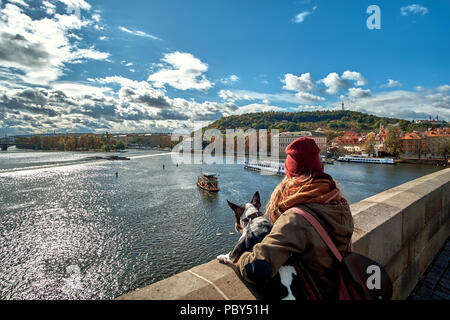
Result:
{"points": [[5, 146]]}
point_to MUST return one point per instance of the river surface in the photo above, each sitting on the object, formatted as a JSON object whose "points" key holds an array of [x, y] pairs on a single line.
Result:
{"points": [[73, 230]]}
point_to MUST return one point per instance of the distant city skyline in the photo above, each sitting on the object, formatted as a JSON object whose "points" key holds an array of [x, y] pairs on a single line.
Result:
{"points": [[148, 66]]}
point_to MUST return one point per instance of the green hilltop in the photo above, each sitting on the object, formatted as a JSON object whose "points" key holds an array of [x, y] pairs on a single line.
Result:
{"points": [[329, 121]]}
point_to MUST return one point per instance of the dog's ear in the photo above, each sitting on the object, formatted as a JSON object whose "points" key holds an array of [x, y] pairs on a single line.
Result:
{"points": [[256, 201], [235, 208]]}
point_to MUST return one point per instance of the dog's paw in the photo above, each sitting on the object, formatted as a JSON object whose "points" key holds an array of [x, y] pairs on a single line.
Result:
{"points": [[225, 258]]}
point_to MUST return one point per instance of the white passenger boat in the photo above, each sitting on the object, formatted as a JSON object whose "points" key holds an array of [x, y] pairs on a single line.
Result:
{"points": [[275, 168], [366, 160]]}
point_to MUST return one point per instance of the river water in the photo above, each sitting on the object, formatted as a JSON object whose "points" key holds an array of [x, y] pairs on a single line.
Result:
{"points": [[73, 230]]}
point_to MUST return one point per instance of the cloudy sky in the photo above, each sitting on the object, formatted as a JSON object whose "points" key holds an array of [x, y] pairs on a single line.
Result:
{"points": [[142, 66]]}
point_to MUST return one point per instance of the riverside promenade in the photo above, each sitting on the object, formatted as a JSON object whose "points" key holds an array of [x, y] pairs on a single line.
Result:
{"points": [[403, 228]]}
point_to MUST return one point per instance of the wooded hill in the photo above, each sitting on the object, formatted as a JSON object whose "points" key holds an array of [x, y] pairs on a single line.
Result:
{"points": [[330, 121]]}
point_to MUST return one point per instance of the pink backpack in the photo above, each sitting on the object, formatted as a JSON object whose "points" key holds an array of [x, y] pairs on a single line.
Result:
{"points": [[360, 278]]}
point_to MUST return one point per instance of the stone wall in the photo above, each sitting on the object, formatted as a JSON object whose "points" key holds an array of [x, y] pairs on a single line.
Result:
{"points": [[402, 228]]}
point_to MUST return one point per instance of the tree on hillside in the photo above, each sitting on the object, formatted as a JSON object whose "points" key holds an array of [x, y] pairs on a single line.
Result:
{"points": [[393, 141]]}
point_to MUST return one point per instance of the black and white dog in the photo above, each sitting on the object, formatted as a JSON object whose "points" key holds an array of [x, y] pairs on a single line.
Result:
{"points": [[254, 227]]}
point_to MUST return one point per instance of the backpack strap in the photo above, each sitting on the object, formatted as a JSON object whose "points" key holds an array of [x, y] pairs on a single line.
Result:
{"points": [[321, 231]]}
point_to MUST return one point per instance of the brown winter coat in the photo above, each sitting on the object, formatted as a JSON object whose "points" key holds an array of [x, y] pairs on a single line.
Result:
{"points": [[293, 234]]}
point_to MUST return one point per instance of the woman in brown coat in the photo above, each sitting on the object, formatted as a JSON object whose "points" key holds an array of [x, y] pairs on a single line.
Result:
{"points": [[307, 187]]}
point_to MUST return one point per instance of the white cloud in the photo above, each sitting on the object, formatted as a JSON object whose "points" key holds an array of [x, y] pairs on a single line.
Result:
{"points": [[419, 88], [273, 97], [127, 64], [310, 97], [409, 105], [354, 76], [415, 9], [335, 83], [358, 93], [139, 33], [232, 79], [19, 2], [82, 4], [227, 95], [256, 107], [99, 106], [182, 71], [74, 89], [392, 84], [444, 88], [41, 48], [310, 108], [96, 17], [304, 83], [49, 7], [299, 18]]}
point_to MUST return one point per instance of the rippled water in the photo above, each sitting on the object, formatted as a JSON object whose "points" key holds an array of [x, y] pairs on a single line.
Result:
{"points": [[78, 232]]}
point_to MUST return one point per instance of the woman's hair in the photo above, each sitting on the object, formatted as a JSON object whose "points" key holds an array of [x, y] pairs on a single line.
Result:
{"points": [[272, 207]]}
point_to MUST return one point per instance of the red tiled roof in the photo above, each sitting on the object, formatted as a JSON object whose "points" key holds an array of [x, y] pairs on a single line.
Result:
{"points": [[411, 136], [438, 132]]}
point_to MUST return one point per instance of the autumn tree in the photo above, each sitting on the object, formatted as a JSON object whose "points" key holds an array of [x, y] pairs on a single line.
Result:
{"points": [[393, 141], [369, 145], [444, 146]]}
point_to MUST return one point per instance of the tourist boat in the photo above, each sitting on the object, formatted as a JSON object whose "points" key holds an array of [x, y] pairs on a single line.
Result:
{"points": [[366, 160], [208, 182], [269, 167]]}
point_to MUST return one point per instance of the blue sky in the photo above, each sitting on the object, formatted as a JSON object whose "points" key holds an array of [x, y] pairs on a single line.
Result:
{"points": [[95, 66]]}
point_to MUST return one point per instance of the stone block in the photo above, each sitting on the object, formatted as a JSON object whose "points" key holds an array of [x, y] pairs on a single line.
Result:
{"points": [[434, 245], [400, 199], [408, 280], [446, 195], [385, 241], [419, 243], [226, 279], [358, 207], [180, 285], [375, 216], [203, 293], [360, 241], [419, 186], [398, 263], [433, 226], [413, 221]]}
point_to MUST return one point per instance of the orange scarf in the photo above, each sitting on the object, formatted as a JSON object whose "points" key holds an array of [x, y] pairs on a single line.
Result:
{"points": [[321, 190]]}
